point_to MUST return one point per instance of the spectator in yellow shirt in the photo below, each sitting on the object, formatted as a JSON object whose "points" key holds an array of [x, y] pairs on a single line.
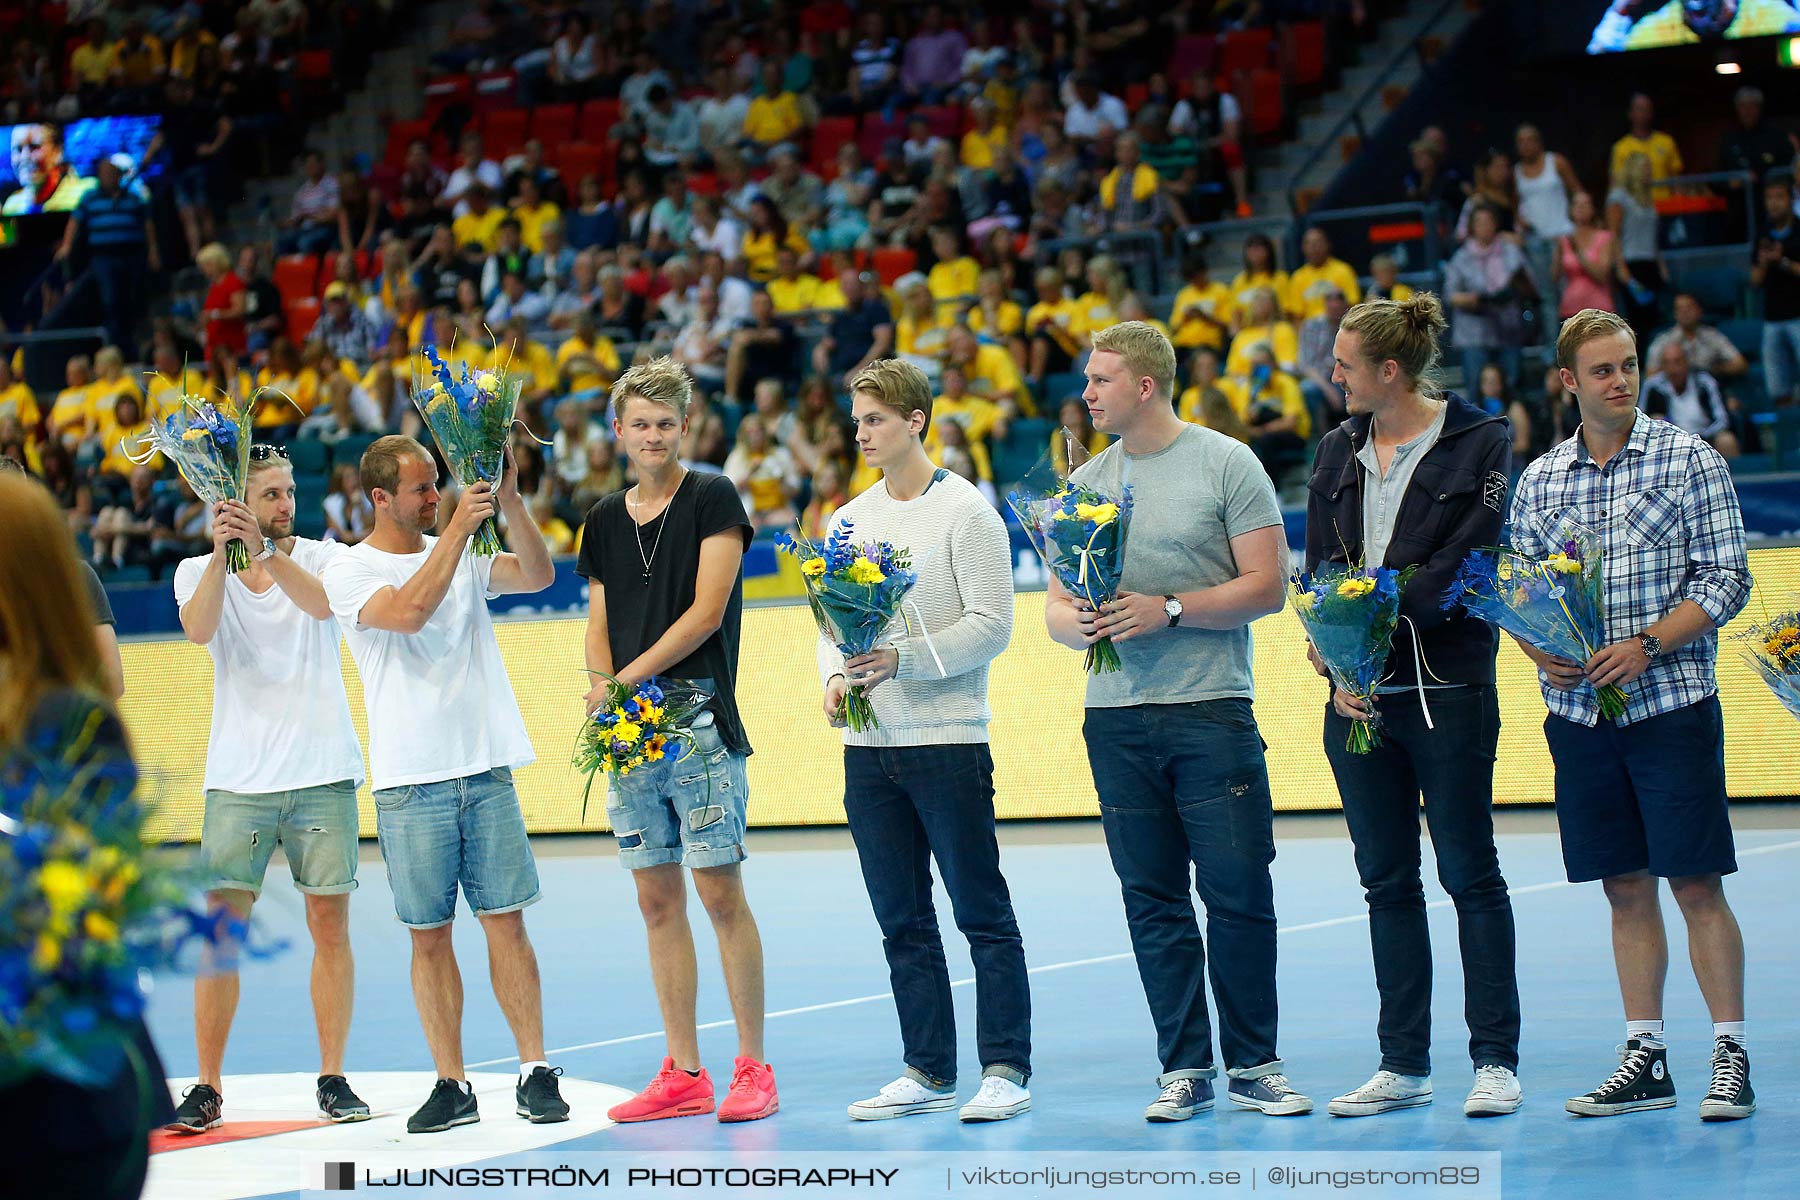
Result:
{"points": [[1201, 314], [991, 372], [481, 222], [1270, 403], [123, 433], [286, 375], [92, 63], [986, 139], [19, 402], [169, 381], [979, 417], [954, 276], [1308, 284], [138, 59], [953, 449], [1099, 305], [1384, 280], [790, 291], [1264, 327], [111, 382], [518, 353], [588, 360], [1644, 138], [768, 232], [923, 328], [1262, 269], [1052, 327], [533, 212], [994, 315], [774, 117], [1206, 401], [1074, 440], [72, 417]]}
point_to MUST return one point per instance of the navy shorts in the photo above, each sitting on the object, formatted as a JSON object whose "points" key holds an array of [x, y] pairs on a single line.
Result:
{"points": [[1649, 796]]}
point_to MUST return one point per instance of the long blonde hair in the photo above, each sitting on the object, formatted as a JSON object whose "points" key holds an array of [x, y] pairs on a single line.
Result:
{"points": [[46, 620]]}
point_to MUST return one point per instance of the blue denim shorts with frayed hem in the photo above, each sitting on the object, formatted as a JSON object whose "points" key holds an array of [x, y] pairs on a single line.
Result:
{"points": [[688, 809], [468, 831], [314, 826]]}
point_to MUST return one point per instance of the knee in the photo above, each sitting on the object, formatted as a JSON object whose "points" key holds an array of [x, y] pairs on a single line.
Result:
{"points": [[1631, 892], [329, 923], [724, 901], [433, 943], [662, 906], [1698, 895], [504, 927]]}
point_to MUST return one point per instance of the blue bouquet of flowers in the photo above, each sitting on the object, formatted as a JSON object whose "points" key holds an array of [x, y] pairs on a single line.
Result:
{"points": [[635, 727], [855, 592], [1556, 603], [1349, 614], [470, 417], [1080, 534]]}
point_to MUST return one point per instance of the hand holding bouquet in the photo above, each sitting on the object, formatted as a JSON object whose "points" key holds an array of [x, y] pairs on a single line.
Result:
{"points": [[470, 418], [1080, 534], [1556, 603], [1772, 648], [1349, 614], [855, 593], [635, 727]]}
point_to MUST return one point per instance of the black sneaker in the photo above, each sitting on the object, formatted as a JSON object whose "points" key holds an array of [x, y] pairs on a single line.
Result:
{"points": [[1181, 1099], [338, 1103], [202, 1108], [539, 1099], [452, 1102], [1730, 1098], [1642, 1081]]}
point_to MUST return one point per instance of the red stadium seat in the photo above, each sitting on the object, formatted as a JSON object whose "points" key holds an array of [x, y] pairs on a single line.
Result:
{"points": [[1243, 50], [301, 315], [503, 131], [827, 136], [495, 90], [597, 117], [876, 132], [703, 183], [891, 262], [945, 121], [1303, 54], [1264, 106], [552, 124], [576, 161], [1135, 95], [402, 134], [443, 92], [296, 276], [1193, 52], [832, 17]]}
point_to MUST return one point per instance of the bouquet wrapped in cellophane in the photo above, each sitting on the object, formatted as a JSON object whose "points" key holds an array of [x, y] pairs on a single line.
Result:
{"points": [[470, 418], [209, 443], [1772, 648], [1079, 532], [855, 592], [1349, 614], [636, 727], [1556, 603], [86, 908]]}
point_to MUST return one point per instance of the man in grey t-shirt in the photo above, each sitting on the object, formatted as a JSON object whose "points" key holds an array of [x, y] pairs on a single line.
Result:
{"points": [[1172, 741]]}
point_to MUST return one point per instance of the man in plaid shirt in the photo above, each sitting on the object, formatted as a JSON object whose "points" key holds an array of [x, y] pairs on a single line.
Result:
{"points": [[1642, 798]]}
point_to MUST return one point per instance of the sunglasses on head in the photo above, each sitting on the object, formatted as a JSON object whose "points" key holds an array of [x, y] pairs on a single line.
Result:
{"points": [[263, 453]]}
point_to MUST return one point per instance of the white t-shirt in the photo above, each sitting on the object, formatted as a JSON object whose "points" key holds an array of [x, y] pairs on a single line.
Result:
{"points": [[439, 702], [280, 718]]}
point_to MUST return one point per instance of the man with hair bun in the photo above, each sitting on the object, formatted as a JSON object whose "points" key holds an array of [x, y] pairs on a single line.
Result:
{"points": [[664, 565], [1171, 736], [1641, 797], [1416, 477]]}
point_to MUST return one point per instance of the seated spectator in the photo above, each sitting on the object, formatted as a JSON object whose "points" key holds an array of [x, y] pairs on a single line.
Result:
{"points": [[73, 420], [570, 445], [345, 410], [646, 74], [123, 527], [604, 475], [769, 231], [594, 222], [311, 226], [985, 139], [734, 292], [995, 316], [510, 254], [1489, 284], [1493, 395], [473, 168], [618, 307], [828, 495], [763, 348], [226, 380], [1264, 326], [1214, 122], [1074, 440], [790, 291], [1316, 359], [1205, 401], [532, 211], [720, 116], [1431, 183], [123, 432], [1307, 284], [1131, 194], [440, 268], [1384, 276], [1107, 289], [920, 146], [478, 224], [712, 232], [1091, 113], [169, 380], [991, 373], [1689, 399], [921, 333], [558, 537], [419, 175], [797, 192], [388, 383], [180, 525], [1053, 328], [573, 68], [587, 360], [1201, 312], [1269, 402], [764, 475], [1706, 348], [953, 276], [874, 70], [671, 130], [223, 312], [1586, 263], [951, 448], [516, 299], [344, 329], [17, 401], [1262, 269], [579, 294], [981, 420], [518, 352], [292, 389], [349, 514], [110, 383], [774, 117], [931, 63], [1644, 138]]}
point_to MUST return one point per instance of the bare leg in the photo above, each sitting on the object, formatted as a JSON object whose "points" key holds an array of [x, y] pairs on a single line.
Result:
{"points": [[1715, 944], [721, 890], [513, 968], [333, 976], [662, 898], [216, 995], [438, 993], [1640, 944]]}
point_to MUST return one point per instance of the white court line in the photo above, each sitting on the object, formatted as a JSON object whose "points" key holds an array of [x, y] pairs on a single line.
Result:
{"points": [[1305, 927]]}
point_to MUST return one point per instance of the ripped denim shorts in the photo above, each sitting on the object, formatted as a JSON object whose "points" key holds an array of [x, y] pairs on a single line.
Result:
{"points": [[687, 809]]}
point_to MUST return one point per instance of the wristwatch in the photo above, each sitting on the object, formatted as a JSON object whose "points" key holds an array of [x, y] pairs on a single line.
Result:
{"points": [[1651, 643], [1172, 606], [268, 548]]}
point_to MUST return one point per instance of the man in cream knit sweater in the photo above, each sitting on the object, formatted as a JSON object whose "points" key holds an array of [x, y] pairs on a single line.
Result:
{"points": [[921, 785]]}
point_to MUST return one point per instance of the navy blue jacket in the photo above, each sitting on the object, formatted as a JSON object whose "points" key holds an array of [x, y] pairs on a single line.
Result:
{"points": [[1457, 500]]}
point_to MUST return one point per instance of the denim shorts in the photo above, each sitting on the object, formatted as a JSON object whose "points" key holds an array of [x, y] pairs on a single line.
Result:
{"points": [[466, 831], [688, 808], [315, 827]]}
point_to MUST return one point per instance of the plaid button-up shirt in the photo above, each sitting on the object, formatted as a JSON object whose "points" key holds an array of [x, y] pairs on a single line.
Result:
{"points": [[1668, 519]]}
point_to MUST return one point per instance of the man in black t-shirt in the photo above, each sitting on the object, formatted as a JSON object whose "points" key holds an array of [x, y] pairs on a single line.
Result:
{"points": [[664, 564], [1775, 272]]}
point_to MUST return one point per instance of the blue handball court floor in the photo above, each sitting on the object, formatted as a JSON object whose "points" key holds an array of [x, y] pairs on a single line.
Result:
{"points": [[832, 1039]]}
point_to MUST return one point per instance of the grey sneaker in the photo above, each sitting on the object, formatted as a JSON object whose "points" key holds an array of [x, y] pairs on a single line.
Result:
{"points": [[1180, 1100], [1270, 1095], [1384, 1092]]}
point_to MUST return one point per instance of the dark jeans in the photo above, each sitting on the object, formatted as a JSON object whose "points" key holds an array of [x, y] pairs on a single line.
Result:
{"points": [[1184, 791], [906, 805], [119, 278], [1452, 767]]}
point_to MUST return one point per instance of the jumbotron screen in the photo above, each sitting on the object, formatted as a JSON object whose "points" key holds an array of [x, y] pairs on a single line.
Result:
{"points": [[49, 167], [1657, 24]]}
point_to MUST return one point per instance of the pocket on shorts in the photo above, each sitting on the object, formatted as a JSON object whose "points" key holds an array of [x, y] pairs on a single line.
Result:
{"points": [[393, 799]]}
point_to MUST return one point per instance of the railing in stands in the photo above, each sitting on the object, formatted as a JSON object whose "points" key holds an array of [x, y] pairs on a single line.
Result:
{"points": [[1723, 203], [1138, 253]]}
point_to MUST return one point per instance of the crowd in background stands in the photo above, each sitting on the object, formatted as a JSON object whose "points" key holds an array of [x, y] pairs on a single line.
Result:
{"points": [[724, 232]]}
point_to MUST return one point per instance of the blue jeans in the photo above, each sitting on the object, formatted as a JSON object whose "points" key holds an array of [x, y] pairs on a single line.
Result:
{"points": [[466, 831], [1452, 767], [315, 827], [1184, 791], [1781, 359], [120, 280], [906, 805]]}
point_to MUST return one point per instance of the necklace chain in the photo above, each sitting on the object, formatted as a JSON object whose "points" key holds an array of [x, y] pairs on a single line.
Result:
{"points": [[637, 529]]}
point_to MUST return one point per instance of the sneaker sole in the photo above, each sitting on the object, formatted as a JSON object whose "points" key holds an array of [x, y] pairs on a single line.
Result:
{"points": [[1286, 1108], [346, 1118], [1712, 1110], [471, 1119], [690, 1109], [773, 1107], [894, 1111], [192, 1130], [1374, 1108], [1582, 1107], [1491, 1108], [972, 1115], [546, 1119], [1169, 1115]]}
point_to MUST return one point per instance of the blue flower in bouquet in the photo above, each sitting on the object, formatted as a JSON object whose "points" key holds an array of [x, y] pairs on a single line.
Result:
{"points": [[1079, 532], [1349, 614]]}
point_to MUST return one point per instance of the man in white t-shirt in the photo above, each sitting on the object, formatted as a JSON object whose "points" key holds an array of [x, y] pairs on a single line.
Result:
{"points": [[444, 737], [282, 766]]}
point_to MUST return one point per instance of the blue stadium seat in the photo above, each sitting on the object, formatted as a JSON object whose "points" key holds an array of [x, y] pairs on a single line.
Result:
{"points": [[309, 456], [1746, 333], [1720, 290], [1060, 387], [129, 573], [1750, 464], [349, 448], [1026, 441]]}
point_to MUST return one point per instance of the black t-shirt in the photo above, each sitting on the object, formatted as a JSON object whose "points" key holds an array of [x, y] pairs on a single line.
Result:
{"points": [[187, 127], [262, 299], [639, 612], [96, 591], [1781, 286]]}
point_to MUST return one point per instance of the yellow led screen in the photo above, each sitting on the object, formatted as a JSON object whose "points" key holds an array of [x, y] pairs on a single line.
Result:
{"points": [[1041, 768]]}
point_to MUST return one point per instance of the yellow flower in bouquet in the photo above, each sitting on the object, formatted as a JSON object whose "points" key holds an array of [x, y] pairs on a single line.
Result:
{"points": [[864, 571], [487, 381], [1562, 564], [1099, 514], [627, 730], [100, 928], [65, 886], [1355, 586], [814, 567]]}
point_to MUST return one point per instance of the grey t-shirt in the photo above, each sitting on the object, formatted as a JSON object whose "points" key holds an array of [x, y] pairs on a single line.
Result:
{"points": [[103, 613], [1382, 493], [1189, 500]]}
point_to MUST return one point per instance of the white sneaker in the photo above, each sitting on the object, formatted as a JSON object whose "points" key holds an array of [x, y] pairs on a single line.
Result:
{"points": [[902, 1098], [1384, 1092], [1496, 1093], [997, 1100]]}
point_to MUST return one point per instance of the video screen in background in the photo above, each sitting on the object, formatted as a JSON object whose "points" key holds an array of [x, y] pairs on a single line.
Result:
{"points": [[48, 168], [1656, 24]]}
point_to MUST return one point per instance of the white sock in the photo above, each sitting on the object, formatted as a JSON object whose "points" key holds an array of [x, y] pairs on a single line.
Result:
{"points": [[1731, 1029], [526, 1068], [1649, 1034]]}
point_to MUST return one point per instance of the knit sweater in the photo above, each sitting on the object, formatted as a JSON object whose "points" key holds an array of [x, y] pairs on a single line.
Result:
{"points": [[964, 596]]}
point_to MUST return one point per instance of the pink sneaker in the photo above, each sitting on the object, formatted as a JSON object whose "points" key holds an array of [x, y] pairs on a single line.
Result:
{"points": [[673, 1093], [752, 1096]]}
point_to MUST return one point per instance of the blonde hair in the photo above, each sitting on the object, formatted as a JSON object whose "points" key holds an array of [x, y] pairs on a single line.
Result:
{"points": [[214, 253], [1145, 349], [898, 384], [1405, 331], [1584, 327], [380, 466], [108, 356], [658, 380], [46, 620]]}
